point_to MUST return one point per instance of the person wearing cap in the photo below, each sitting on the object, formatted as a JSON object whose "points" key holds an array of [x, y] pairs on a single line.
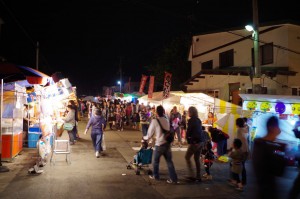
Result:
{"points": [[97, 122]]}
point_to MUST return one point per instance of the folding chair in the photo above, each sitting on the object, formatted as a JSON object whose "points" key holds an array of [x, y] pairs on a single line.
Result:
{"points": [[61, 147]]}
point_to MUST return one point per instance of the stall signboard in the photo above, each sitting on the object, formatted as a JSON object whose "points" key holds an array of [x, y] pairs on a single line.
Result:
{"points": [[272, 107]]}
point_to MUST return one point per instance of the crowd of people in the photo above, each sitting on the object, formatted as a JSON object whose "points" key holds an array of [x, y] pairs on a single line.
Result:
{"points": [[187, 127]]}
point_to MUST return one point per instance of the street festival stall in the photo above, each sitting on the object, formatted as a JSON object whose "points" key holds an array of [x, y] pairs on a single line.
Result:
{"points": [[225, 112], [48, 105], [12, 120], [54, 99], [286, 108]]}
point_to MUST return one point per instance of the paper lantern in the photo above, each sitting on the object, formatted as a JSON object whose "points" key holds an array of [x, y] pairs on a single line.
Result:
{"points": [[280, 107], [251, 106], [265, 106], [296, 109]]}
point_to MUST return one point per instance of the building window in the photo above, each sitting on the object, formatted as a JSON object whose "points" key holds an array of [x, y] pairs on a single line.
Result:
{"points": [[295, 91], [207, 65], [267, 54], [213, 93], [226, 59]]}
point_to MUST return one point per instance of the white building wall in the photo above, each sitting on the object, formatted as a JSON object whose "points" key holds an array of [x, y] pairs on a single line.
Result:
{"points": [[285, 37]]}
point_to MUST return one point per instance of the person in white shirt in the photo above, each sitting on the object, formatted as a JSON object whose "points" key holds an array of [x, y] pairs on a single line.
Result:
{"points": [[162, 147]]}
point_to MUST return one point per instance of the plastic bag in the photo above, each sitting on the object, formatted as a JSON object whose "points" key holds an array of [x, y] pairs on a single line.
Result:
{"points": [[223, 158], [103, 144]]}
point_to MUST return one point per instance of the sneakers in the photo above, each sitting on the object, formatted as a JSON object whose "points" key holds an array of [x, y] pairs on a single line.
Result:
{"points": [[239, 187], [169, 181], [232, 182], [97, 154], [152, 177], [207, 177]]}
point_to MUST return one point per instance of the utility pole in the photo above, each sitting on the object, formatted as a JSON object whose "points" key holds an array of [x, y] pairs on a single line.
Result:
{"points": [[256, 81], [120, 69], [257, 67], [37, 55]]}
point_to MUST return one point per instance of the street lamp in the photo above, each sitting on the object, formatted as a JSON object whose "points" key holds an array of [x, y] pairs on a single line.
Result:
{"points": [[119, 82], [255, 37]]}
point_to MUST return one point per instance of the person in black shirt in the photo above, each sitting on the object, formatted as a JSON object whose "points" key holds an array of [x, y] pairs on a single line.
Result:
{"points": [[195, 139], [268, 161]]}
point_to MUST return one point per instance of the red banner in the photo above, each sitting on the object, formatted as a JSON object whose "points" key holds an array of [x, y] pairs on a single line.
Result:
{"points": [[143, 83], [151, 87], [167, 85]]}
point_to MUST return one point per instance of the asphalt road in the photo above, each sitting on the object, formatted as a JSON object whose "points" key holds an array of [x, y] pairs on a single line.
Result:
{"points": [[108, 177]]}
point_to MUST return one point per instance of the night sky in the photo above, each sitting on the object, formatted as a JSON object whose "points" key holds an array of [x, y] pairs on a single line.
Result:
{"points": [[88, 40]]}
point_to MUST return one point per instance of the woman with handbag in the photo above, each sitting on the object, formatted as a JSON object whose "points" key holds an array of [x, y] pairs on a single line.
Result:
{"points": [[69, 123]]}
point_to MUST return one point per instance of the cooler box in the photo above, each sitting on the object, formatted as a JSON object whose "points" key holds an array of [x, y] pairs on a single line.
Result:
{"points": [[33, 136]]}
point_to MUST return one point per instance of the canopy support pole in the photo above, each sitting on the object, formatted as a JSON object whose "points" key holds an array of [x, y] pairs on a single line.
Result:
{"points": [[2, 168]]}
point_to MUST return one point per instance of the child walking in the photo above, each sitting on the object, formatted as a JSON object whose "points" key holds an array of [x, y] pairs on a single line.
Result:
{"points": [[236, 164], [208, 158]]}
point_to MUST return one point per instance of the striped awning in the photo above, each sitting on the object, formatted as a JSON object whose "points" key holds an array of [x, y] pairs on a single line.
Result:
{"points": [[16, 72]]}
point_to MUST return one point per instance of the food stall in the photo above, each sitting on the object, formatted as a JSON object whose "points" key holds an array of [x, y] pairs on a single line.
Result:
{"points": [[14, 97], [53, 104], [286, 108]]}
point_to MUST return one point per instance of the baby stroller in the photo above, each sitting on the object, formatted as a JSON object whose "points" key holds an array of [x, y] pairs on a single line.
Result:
{"points": [[142, 159]]}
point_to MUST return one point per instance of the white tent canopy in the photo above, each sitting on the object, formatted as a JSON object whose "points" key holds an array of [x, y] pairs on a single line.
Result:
{"points": [[225, 112]]}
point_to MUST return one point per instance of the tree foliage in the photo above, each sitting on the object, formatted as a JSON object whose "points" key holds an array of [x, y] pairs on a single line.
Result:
{"points": [[173, 58]]}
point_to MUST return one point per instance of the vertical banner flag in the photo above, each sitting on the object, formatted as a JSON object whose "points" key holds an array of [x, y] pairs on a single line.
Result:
{"points": [[167, 85], [143, 83], [151, 87]]}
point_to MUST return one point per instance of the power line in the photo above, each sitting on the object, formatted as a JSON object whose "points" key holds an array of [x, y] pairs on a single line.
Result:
{"points": [[18, 23], [24, 31]]}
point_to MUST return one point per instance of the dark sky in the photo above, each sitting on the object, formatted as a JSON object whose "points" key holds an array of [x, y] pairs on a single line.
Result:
{"points": [[85, 40]]}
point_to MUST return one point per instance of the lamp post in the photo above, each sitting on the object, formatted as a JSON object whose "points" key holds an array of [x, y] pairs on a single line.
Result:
{"points": [[119, 82], [255, 37]]}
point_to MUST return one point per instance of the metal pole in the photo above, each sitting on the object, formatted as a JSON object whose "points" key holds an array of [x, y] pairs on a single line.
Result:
{"points": [[37, 55], [257, 67], [2, 168]]}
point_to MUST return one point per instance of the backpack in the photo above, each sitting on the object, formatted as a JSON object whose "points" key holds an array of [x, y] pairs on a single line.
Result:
{"points": [[169, 135]]}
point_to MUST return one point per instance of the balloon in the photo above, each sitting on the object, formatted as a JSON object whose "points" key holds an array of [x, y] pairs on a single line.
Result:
{"points": [[251, 106], [265, 106], [280, 107], [296, 109]]}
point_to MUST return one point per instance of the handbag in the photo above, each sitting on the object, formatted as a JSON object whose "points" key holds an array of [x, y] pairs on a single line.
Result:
{"points": [[169, 135], [68, 126], [103, 143]]}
